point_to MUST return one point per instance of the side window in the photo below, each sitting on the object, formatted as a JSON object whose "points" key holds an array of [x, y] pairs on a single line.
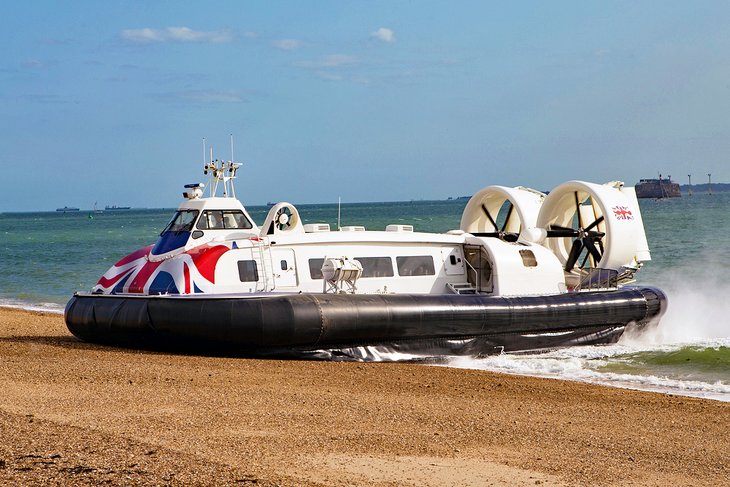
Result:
{"points": [[248, 271], [229, 221], [315, 268], [220, 219], [211, 220], [371, 267], [417, 265], [240, 220], [376, 266]]}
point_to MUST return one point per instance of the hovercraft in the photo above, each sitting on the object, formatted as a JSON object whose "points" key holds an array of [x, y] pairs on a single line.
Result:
{"points": [[524, 271]]}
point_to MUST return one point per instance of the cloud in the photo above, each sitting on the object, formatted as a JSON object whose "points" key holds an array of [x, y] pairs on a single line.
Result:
{"points": [[173, 34], [331, 61], [329, 76], [33, 64], [384, 34], [45, 98], [203, 96], [287, 44]]}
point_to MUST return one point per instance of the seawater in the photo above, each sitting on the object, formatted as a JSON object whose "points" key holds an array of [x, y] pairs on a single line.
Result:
{"points": [[46, 256]]}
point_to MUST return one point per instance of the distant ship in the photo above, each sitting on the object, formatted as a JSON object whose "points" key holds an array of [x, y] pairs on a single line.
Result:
{"points": [[115, 207], [67, 208], [657, 188]]}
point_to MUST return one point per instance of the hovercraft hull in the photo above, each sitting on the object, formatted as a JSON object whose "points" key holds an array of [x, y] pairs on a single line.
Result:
{"points": [[363, 327]]}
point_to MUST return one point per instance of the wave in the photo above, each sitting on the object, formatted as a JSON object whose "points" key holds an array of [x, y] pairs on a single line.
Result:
{"points": [[621, 366], [46, 307]]}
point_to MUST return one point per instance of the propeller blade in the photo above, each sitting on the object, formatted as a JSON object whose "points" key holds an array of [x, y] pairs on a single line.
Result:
{"points": [[491, 220], [574, 254], [599, 220], [592, 250], [509, 214], [558, 231], [507, 237], [577, 209], [585, 259]]}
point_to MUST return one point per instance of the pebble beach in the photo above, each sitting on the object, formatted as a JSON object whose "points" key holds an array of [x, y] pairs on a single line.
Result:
{"points": [[83, 414]]}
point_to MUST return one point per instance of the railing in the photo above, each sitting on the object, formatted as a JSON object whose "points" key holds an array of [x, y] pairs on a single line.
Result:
{"points": [[598, 279], [259, 250]]}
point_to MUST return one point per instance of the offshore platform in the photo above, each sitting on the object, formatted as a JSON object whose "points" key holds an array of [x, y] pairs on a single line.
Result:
{"points": [[657, 188]]}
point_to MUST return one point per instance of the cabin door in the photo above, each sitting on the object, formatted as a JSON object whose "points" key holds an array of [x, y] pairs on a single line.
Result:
{"points": [[479, 268], [284, 267]]}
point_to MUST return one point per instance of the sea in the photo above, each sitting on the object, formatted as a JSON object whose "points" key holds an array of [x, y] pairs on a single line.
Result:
{"points": [[46, 256]]}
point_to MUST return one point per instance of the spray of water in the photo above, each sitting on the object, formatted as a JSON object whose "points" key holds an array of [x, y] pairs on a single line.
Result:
{"points": [[698, 315], [698, 309]]}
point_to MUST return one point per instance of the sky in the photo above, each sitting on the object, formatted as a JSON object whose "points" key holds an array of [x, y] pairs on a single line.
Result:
{"points": [[109, 102]]}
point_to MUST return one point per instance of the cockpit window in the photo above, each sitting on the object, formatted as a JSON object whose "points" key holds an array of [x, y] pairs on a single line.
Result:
{"points": [[176, 233], [182, 221], [223, 220]]}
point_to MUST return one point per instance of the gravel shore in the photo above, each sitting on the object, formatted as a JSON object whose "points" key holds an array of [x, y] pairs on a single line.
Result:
{"points": [[77, 413]]}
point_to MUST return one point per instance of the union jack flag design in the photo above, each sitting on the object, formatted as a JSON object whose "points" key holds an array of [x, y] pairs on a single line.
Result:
{"points": [[187, 273], [622, 213]]}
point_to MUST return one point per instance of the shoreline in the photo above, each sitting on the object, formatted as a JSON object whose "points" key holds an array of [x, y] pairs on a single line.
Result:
{"points": [[669, 387], [73, 412]]}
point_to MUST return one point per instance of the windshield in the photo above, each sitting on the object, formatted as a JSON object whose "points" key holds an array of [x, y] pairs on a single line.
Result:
{"points": [[182, 221]]}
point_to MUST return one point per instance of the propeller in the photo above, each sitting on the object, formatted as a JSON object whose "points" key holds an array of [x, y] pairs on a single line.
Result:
{"points": [[585, 238], [500, 233], [283, 218]]}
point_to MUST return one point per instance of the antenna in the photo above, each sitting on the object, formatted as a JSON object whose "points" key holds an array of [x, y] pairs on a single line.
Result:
{"points": [[203, 151], [232, 159], [213, 187]]}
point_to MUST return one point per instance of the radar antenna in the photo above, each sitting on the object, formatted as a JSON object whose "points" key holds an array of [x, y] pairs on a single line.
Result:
{"points": [[221, 172]]}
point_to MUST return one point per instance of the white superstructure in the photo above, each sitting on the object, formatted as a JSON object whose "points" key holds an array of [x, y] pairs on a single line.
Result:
{"points": [[511, 242]]}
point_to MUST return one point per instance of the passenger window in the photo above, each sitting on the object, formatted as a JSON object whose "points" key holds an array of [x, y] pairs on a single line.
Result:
{"points": [[248, 271], [284, 265], [376, 266], [417, 265], [371, 267], [315, 268]]}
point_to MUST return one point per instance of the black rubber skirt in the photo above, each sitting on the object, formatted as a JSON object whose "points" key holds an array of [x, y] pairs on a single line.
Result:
{"points": [[363, 327]]}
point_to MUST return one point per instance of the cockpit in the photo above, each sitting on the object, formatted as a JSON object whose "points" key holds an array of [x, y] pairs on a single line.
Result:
{"points": [[187, 223]]}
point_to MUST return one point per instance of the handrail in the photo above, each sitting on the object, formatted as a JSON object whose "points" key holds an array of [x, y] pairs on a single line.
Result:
{"points": [[264, 268]]}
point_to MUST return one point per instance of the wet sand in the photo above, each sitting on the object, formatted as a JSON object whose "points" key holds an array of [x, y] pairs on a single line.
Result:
{"points": [[76, 413]]}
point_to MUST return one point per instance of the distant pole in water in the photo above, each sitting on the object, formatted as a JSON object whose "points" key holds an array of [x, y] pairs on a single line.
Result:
{"points": [[689, 176], [709, 183], [339, 203]]}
